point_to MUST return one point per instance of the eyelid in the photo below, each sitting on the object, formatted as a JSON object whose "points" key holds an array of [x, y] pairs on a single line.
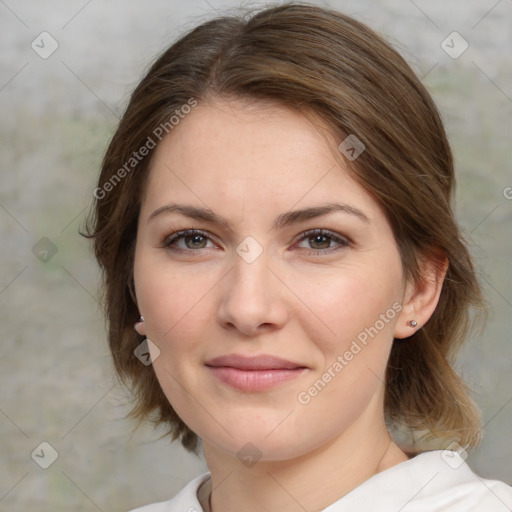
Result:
{"points": [[166, 243], [341, 240]]}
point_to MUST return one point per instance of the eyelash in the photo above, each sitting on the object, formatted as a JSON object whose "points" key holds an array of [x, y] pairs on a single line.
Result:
{"points": [[342, 241]]}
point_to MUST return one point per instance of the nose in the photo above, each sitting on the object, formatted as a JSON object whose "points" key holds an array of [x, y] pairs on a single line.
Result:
{"points": [[253, 298]]}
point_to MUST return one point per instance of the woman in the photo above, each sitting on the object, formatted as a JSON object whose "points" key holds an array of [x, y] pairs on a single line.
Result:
{"points": [[274, 225]]}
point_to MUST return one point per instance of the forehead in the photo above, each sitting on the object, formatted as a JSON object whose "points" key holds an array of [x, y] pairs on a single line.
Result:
{"points": [[243, 132], [249, 154]]}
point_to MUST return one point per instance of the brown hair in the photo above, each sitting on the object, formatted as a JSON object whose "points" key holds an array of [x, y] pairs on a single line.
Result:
{"points": [[322, 62]]}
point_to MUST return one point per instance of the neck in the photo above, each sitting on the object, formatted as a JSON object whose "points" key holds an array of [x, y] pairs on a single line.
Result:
{"points": [[311, 482]]}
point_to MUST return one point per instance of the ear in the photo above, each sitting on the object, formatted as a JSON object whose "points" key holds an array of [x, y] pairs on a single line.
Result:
{"points": [[422, 296], [138, 326]]}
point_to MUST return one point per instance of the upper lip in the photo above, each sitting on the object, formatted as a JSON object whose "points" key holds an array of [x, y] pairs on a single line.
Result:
{"points": [[261, 362]]}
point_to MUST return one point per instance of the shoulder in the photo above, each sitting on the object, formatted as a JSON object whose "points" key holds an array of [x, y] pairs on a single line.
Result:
{"points": [[435, 481], [452, 485], [185, 501]]}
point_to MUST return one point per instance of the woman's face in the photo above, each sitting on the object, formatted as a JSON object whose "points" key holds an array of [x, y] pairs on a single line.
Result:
{"points": [[289, 258]]}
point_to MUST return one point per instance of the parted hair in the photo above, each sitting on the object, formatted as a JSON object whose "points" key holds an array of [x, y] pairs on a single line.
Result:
{"points": [[330, 65]]}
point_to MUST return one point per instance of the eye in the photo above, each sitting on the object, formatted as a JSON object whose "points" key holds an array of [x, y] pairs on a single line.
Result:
{"points": [[322, 241], [192, 240], [187, 240]]}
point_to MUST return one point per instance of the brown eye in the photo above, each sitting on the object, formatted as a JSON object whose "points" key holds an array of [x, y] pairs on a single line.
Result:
{"points": [[188, 240], [319, 242], [322, 241], [195, 241]]}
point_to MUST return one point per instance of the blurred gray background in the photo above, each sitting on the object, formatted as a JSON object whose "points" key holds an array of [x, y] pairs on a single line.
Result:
{"points": [[57, 114]]}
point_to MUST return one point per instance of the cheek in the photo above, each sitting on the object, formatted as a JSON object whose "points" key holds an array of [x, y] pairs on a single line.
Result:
{"points": [[173, 299], [359, 301], [175, 305], [360, 307]]}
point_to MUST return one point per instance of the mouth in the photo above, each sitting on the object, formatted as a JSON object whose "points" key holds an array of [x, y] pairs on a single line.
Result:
{"points": [[256, 373]]}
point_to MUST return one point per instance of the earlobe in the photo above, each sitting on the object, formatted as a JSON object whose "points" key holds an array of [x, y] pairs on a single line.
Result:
{"points": [[140, 327], [421, 297]]}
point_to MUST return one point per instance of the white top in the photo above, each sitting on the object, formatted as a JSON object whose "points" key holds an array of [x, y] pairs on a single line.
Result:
{"points": [[436, 481]]}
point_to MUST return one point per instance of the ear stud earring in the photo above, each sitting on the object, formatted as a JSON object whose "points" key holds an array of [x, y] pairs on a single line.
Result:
{"points": [[412, 323]]}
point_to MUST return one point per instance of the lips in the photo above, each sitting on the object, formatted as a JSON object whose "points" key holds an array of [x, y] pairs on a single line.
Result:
{"points": [[254, 373], [263, 362]]}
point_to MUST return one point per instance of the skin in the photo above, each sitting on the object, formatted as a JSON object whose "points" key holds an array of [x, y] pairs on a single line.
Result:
{"points": [[250, 163]]}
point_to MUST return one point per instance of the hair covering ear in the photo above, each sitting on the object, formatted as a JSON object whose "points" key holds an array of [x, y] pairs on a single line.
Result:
{"points": [[131, 288]]}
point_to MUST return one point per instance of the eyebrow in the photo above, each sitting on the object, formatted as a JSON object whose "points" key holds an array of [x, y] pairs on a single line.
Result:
{"points": [[283, 220]]}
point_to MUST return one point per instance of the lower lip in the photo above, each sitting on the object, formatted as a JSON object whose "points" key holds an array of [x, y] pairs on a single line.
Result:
{"points": [[254, 380]]}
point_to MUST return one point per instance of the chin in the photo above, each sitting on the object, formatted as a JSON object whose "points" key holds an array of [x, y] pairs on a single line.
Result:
{"points": [[272, 439]]}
